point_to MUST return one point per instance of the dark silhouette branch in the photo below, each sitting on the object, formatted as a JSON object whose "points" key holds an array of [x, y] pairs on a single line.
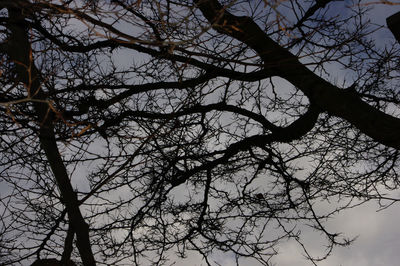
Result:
{"points": [[338, 102], [20, 52]]}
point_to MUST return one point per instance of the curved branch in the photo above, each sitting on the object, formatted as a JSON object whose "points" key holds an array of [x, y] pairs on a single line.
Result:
{"points": [[115, 42], [294, 131], [345, 104], [192, 110]]}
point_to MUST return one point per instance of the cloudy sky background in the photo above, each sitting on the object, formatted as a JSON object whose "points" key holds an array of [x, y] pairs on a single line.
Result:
{"points": [[377, 232], [377, 244], [378, 241]]}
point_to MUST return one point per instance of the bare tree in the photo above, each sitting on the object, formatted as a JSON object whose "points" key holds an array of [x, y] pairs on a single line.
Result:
{"points": [[133, 130]]}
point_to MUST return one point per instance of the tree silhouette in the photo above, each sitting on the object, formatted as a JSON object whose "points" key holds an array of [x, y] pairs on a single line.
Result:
{"points": [[133, 130]]}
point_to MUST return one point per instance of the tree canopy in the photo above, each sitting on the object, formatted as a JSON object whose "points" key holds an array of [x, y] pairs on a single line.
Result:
{"points": [[137, 132]]}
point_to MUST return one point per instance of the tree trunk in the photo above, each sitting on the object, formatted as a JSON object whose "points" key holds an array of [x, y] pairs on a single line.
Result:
{"points": [[19, 50]]}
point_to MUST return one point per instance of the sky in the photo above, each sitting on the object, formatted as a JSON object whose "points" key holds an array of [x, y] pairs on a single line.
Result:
{"points": [[378, 233]]}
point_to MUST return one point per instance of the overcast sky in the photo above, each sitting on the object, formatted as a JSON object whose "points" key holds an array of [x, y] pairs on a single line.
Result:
{"points": [[378, 233], [377, 244], [378, 241]]}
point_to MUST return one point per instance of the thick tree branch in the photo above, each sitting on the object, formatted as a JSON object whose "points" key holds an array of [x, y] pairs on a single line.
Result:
{"points": [[381, 127], [294, 131]]}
